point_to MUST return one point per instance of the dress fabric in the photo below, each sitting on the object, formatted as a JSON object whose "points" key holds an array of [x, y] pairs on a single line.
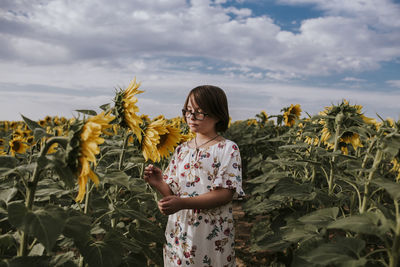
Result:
{"points": [[202, 237]]}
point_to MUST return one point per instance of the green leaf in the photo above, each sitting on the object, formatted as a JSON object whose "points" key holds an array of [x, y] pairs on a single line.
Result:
{"points": [[31, 124], [367, 223], [391, 187], [38, 133], [7, 241], [105, 107], [106, 253], [343, 251], [327, 254], [46, 224], [31, 261], [320, 217], [117, 178], [8, 161], [63, 260], [77, 226], [288, 188], [87, 112], [7, 194]]}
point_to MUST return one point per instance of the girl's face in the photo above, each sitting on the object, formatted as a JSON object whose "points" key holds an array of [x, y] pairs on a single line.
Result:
{"points": [[204, 127]]}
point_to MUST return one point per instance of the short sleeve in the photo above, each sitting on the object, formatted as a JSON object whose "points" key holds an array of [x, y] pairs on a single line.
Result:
{"points": [[170, 173], [230, 171]]}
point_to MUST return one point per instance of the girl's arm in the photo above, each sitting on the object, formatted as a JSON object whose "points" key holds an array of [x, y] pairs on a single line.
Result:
{"points": [[164, 189], [153, 176], [215, 198]]}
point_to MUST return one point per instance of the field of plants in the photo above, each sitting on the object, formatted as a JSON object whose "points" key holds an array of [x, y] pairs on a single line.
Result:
{"points": [[321, 190]]}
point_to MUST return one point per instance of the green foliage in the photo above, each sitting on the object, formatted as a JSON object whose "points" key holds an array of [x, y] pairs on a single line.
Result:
{"points": [[118, 225], [322, 202]]}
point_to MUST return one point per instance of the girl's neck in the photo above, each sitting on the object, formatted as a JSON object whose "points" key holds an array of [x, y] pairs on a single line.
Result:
{"points": [[204, 137]]}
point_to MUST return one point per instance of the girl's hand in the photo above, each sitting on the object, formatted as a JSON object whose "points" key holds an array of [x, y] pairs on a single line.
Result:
{"points": [[170, 204], [152, 175]]}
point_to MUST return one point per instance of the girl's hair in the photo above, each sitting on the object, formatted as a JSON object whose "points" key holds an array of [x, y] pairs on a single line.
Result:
{"points": [[212, 100]]}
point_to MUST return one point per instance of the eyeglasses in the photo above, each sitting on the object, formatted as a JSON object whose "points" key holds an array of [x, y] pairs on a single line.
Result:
{"points": [[196, 115]]}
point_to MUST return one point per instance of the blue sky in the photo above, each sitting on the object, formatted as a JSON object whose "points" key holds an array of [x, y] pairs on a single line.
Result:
{"points": [[57, 56]]}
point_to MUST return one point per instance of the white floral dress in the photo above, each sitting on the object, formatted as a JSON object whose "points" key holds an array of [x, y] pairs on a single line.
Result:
{"points": [[202, 237]]}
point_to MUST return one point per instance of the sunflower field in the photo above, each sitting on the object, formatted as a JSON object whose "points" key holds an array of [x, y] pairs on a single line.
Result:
{"points": [[321, 190]]}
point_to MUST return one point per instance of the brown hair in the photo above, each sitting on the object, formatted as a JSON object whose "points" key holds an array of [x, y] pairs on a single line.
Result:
{"points": [[212, 100]]}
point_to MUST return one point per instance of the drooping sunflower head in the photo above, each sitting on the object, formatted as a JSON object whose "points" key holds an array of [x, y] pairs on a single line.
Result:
{"points": [[83, 148], [345, 116], [291, 114], [263, 117], [151, 138], [126, 110]]}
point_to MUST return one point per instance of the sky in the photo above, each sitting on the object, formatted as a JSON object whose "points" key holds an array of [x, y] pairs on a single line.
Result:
{"points": [[57, 56]]}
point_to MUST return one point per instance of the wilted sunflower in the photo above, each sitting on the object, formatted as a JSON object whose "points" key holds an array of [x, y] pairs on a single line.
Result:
{"points": [[291, 114], [347, 116], [17, 145], [83, 148], [126, 109]]}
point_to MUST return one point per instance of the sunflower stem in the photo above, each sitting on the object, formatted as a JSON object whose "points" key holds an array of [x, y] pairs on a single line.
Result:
{"points": [[336, 145], [124, 146], [377, 161], [32, 184]]}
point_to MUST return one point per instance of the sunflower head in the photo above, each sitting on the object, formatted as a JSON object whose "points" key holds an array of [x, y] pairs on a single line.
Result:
{"points": [[17, 145], [151, 139], [263, 117], [346, 116], [83, 148], [291, 114], [125, 108]]}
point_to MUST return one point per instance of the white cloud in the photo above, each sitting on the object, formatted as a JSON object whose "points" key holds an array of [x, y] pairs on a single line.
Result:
{"points": [[352, 79], [394, 83], [75, 31], [94, 46]]}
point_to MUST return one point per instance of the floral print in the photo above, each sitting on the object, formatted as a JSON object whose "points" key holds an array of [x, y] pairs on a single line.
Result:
{"points": [[202, 237]]}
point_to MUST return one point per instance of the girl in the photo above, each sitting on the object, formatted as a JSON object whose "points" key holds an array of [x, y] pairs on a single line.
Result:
{"points": [[202, 178]]}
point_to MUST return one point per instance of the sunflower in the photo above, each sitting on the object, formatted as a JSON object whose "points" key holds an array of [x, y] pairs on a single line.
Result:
{"points": [[346, 116], [168, 141], [396, 167], [17, 145], [88, 137], [252, 122], [126, 109], [151, 139], [291, 114], [2, 144]]}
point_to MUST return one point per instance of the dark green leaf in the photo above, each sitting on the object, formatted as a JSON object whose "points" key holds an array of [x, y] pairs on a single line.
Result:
{"points": [[367, 223], [63, 260], [31, 124], [77, 226], [106, 253], [31, 261], [105, 107], [320, 217], [87, 112], [117, 178], [7, 194], [46, 224], [8, 161], [391, 187]]}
